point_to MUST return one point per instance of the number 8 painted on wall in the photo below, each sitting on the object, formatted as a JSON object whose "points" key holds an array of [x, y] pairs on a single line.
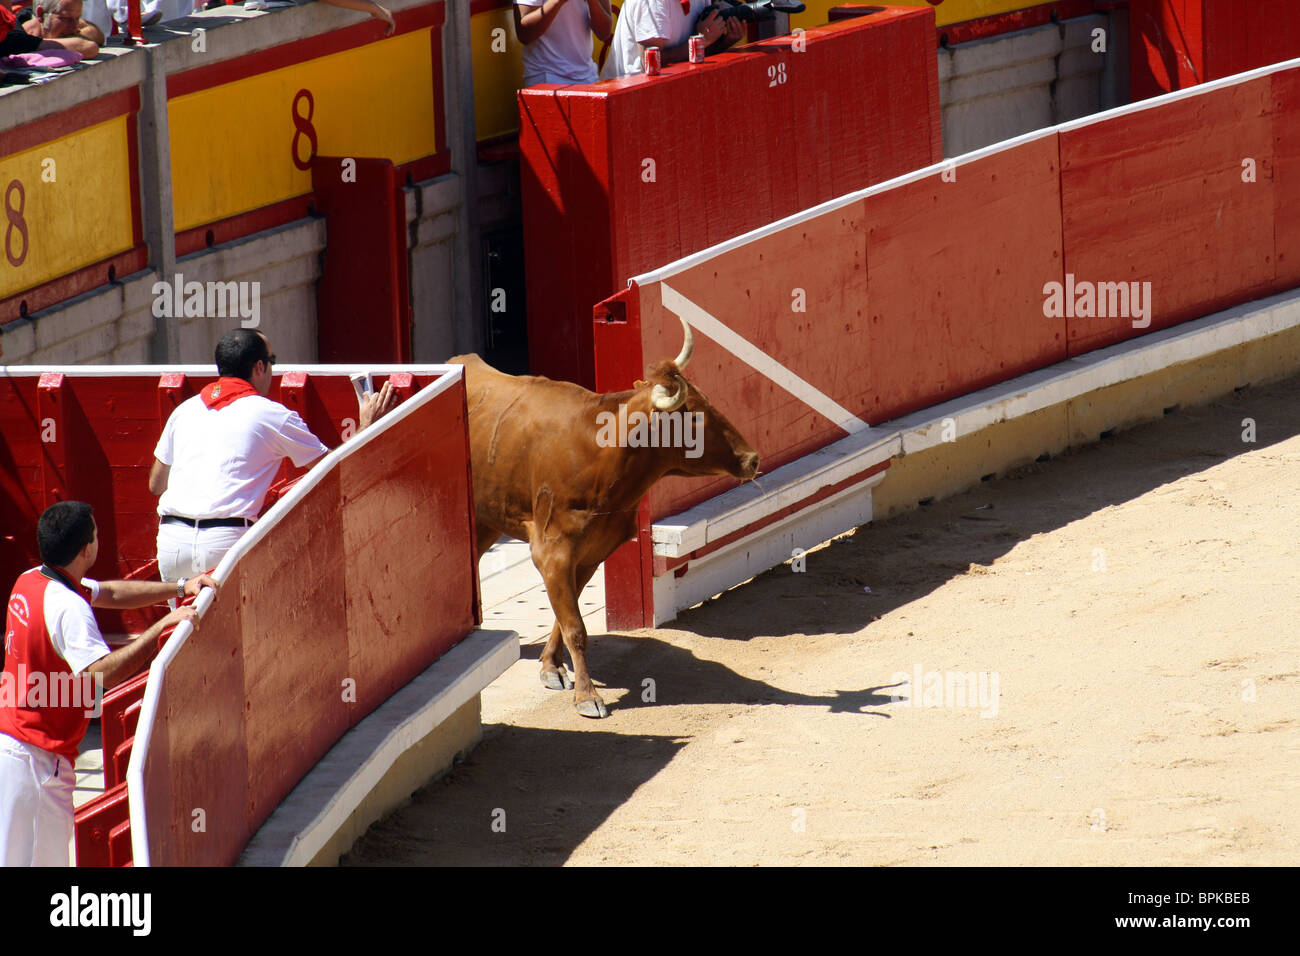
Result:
{"points": [[302, 126], [16, 222]]}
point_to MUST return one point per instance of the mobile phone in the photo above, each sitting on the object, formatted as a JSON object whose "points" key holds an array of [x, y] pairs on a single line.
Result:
{"points": [[362, 384]]}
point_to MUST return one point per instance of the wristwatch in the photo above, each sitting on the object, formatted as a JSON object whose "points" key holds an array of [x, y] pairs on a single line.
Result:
{"points": [[180, 587]]}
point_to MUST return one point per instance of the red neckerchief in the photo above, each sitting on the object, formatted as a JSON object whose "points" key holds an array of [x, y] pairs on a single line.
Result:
{"points": [[224, 391]]}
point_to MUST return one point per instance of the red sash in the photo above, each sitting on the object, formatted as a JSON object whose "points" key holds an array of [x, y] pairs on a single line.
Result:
{"points": [[224, 391]]}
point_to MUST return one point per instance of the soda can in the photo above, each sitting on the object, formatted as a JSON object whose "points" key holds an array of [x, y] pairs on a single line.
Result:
{"points": [[652, 61], [697, 48]]}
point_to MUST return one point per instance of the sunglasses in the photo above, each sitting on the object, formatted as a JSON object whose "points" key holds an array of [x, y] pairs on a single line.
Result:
{"points": [[269, 360]]}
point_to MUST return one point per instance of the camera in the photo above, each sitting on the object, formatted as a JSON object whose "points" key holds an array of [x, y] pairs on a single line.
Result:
{"points": [[757, 11]]}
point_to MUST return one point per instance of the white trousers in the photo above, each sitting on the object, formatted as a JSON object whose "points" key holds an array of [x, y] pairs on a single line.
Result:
{"points": [[35, 805], [184, 551]]}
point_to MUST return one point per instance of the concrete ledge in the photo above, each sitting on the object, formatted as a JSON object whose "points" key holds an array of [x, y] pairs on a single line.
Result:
{"points": [[1122, 386], [702, 578], [378, 764]]}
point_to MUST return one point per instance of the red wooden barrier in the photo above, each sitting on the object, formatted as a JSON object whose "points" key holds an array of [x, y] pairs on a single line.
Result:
{"points": [[1190, 221], [379, 556], [621, 177], [120, 712], [939, 285], [82, 433], [1175, 44], [103, 830], [363, 303]]}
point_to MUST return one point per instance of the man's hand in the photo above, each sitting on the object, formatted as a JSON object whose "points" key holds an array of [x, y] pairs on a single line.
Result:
{"points": [[735, 30], [125, 662], [175, 617], [375, 405], [711, 28], [197, 583], [381, 13]]}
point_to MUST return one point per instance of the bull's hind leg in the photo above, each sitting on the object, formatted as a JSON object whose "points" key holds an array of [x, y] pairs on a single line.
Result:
{"points": [[555, 562], [554, 676]]}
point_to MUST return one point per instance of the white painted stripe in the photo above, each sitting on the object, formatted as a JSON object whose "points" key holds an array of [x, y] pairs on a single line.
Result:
{"points": [[760, 361], [704, 255]]}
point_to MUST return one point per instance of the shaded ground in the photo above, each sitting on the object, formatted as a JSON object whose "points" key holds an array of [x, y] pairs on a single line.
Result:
{"points": [[1134, 604]]}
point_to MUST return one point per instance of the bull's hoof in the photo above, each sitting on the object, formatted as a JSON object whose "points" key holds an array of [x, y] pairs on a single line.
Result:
{"points": [[557, 679], [592, 708]]}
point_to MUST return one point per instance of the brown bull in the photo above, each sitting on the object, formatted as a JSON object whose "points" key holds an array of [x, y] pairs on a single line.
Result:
{"points": [[564, 469]]}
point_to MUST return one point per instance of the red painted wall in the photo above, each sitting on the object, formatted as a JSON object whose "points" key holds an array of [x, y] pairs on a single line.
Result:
{"points": [[1158, 196], [1179, 43], [737, 142], [372, 577]]}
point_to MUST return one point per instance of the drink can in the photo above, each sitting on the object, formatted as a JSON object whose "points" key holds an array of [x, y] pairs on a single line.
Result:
{"points": [[652, 61], [697, 48]]}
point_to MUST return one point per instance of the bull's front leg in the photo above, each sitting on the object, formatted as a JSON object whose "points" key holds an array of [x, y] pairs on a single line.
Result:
{"points": [[554, 676], [554, 560]]}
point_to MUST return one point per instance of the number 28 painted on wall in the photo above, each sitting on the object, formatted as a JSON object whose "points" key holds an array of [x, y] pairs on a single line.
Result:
{"points": [[16, 231], [302, 127]]}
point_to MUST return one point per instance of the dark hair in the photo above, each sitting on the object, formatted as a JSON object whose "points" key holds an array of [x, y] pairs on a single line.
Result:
{"points": [[63, 530], [238, 351]]}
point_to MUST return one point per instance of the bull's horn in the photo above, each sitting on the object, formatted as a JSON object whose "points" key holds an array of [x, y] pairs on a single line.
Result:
{"points": [[665, 402], [688, 347]]}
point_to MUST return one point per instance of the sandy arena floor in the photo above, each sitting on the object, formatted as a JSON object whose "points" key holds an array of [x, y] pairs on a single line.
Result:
{"points": [[1134, 604]]}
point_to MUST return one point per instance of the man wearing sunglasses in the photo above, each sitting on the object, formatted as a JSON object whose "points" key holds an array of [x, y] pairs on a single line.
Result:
{"points": [[220, 452], [62, 20]]}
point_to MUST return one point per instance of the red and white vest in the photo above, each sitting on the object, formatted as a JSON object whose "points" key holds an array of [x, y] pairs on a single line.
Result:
{"points": [[29, 651]]}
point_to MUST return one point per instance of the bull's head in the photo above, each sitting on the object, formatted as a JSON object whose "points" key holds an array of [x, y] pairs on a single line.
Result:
{"points": [[718, 448]]}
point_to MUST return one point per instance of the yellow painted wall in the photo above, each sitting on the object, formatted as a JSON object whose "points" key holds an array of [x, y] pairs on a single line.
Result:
{"points": [[81, 217], [230, 145], [946, 12], [497, 73]]}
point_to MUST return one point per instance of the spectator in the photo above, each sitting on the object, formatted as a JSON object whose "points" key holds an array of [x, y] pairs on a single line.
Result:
{"points": [[220, 451], [557, 38], [668, 25], [53, 649], [62, 20]]}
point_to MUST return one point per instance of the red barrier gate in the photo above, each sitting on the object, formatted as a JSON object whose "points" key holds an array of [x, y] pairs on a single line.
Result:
{"points": [[621, 177], [1175, 44]]}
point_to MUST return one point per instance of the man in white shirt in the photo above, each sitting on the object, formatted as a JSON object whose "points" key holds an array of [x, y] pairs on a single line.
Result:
{"points": [[56, 666], [220, 452], [557, 38], [668, 25]]}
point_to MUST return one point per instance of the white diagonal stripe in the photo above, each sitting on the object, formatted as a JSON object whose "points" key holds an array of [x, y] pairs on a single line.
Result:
{"points": [[760, 361]]}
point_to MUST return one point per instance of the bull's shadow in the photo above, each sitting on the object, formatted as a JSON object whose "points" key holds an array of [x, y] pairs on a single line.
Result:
{"points": [[885, 565], [681, 678]]}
